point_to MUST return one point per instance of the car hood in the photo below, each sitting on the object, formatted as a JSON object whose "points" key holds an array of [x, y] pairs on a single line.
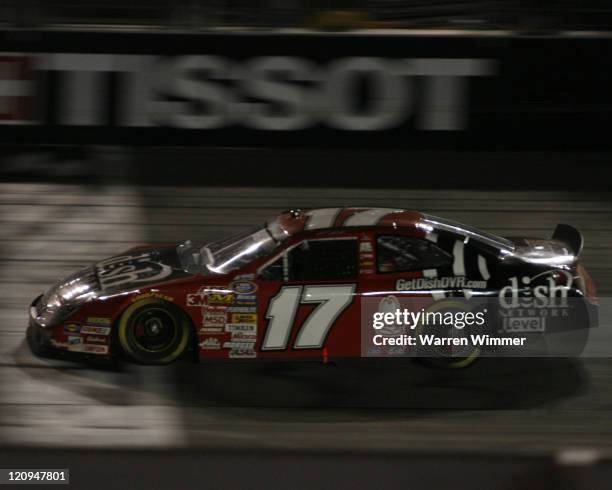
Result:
{"points": [[141, 268]]}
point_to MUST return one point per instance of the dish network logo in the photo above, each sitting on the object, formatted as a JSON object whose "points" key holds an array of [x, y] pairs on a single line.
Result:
{"points": [[15, 89]]}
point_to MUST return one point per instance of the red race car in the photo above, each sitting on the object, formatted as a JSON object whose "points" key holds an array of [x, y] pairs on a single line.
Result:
{"points": [[294, 288]]}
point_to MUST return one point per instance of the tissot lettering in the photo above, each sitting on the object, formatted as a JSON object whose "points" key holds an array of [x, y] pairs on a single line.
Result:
{"points": [[269, 93]]}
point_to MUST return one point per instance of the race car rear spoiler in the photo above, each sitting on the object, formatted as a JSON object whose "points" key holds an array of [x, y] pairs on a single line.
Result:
{"points": [[570, 236]]}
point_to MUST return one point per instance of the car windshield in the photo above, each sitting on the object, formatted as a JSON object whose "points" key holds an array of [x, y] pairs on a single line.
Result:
{"points": [[228, 254]]}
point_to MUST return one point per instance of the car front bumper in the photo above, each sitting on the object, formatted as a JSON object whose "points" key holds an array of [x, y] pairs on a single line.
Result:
{"points": [[41, 342]]}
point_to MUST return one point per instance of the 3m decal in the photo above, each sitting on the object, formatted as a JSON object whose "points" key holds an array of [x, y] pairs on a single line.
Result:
{"points": [[207, 297]]}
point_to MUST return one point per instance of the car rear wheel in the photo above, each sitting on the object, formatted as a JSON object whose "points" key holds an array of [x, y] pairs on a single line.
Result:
{"points": [[448, 358], [153, 331]]}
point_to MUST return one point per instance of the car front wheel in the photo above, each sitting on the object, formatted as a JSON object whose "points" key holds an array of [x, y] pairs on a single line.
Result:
{"points": [[153, 331]]}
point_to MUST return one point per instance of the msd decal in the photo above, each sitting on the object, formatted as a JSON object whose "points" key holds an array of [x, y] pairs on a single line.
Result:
{"points": [[213, 321]]}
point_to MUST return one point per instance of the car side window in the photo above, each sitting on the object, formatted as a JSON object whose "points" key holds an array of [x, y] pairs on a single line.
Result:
{"points": [[273, 271], [314, 260], [396, 253]]}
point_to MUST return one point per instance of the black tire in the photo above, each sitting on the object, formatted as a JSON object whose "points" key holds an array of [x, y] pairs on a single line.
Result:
{"points": [[36, 340], [153, 331]]}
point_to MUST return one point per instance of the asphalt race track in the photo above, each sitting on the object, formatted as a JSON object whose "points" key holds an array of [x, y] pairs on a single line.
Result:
{"points": [[526, 407]]}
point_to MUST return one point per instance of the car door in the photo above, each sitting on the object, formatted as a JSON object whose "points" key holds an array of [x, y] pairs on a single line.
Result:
{"points": [[308, 300], [404, 277]]}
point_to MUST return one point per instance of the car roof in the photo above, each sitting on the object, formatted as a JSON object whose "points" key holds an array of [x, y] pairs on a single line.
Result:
{"points": [[296, 221]]}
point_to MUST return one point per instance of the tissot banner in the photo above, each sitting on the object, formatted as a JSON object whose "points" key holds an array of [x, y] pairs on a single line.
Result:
{"points": [[393, 90]]}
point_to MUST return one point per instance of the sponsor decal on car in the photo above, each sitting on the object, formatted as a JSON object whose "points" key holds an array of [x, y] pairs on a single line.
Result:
{"points": [[221, 299], [242, 353], [238, 345], [244, 318], [152, 294], [72, 328], [213, 320], [203, 298], [75, 343], [243, 287], [245, 300], [549, 294], [526, 302], [74, 340], [95, 330], [96, 339], [241, 327], [210, 343], [96, 320], [196, 299], [95, 349], [524, 324], [419, 283], [243, 337], [242, 309]]}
